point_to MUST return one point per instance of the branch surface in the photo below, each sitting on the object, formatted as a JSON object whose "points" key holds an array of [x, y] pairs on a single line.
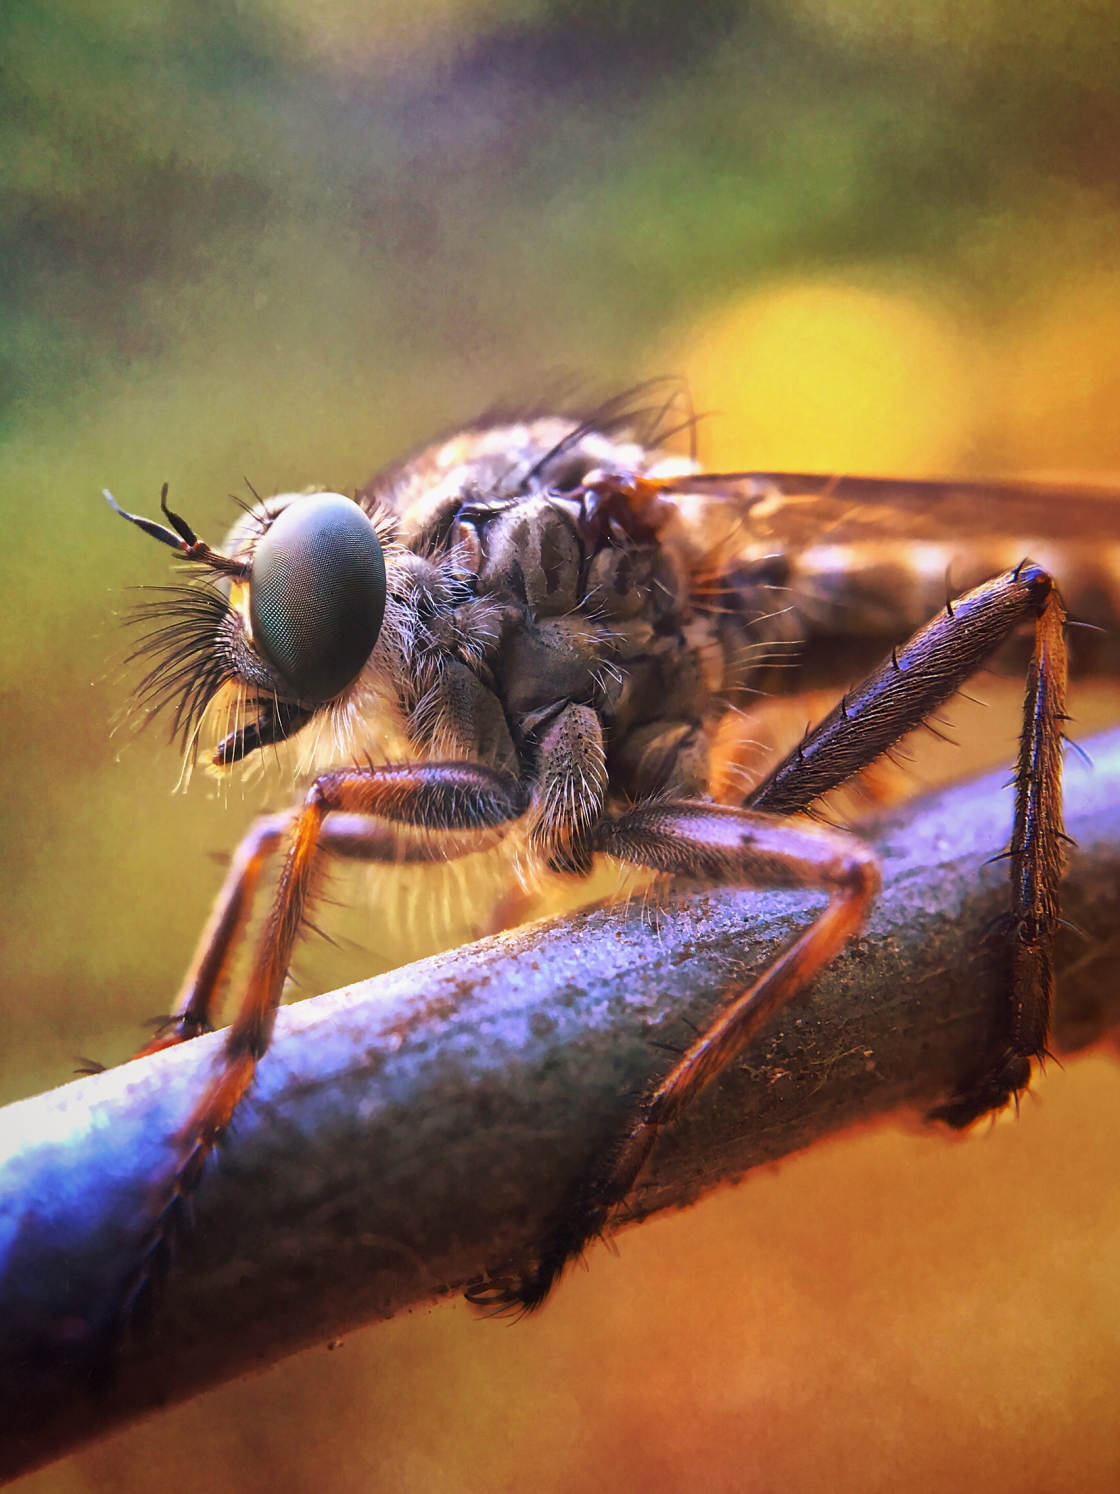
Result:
{"points": [[410, 1132]]}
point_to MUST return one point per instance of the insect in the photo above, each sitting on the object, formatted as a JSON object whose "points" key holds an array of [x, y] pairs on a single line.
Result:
{"points": [[550, 631]]}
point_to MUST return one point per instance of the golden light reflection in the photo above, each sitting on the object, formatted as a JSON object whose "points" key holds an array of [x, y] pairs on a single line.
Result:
{"points": [[827, 375]]}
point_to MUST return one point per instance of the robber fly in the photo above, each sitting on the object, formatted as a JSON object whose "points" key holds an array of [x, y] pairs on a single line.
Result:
{"points": [[550, 631]]}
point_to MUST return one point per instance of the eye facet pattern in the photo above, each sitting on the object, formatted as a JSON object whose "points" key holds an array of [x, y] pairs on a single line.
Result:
{"points": [[317, 595]]}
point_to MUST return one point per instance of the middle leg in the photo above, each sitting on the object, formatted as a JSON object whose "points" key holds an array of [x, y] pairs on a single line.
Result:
{"points": [[745, 846], [725, 846]]}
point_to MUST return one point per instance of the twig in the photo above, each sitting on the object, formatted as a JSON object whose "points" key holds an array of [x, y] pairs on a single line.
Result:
{"points": [[408, 1133]]}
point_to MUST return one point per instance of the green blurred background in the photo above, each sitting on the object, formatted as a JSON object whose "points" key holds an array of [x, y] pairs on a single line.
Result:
{"points": [[289, 241]]}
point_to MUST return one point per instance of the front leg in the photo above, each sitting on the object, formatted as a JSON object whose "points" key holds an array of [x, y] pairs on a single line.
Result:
{"points": [[451, 798], [352, 837], [430, 796], [194, 1007]]}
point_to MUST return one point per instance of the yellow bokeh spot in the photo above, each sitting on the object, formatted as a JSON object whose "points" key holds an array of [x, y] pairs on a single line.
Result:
{"points": [[1060, 381], [833, 377]]}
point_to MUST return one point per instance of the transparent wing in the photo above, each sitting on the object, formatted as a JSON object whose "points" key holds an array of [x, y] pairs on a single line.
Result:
{"points": [[874, 555], [801, 508]]}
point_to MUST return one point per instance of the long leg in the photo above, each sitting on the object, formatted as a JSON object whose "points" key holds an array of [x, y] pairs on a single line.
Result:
{"points": [[456, 802], [731, 846], [901, 693], [356, 837], [193, 1010], [433, 796], [728, 846]]}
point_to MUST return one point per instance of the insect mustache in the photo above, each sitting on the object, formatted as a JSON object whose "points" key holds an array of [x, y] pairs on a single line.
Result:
{"points": [[182, 642]]}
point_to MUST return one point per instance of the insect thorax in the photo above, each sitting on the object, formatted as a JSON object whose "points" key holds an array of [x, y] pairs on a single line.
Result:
{"points": [[527, 597]]}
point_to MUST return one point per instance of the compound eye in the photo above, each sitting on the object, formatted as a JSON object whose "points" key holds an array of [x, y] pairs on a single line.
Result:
{"points": [[317, 595]]}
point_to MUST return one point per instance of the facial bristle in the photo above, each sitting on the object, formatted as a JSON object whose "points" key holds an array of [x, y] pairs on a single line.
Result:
{"points": [[182, 636]]}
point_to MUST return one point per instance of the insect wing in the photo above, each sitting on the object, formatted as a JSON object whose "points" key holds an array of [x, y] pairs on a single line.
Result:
{"points": [[909, 542], [802, 508]]}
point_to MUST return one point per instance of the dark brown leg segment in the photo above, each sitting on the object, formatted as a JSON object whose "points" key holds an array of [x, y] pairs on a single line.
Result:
{"points": [[1037, 857], [902, 692]]}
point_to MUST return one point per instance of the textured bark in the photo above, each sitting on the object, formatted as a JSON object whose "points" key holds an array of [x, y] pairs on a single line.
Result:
{"points": [[408, 1132]]}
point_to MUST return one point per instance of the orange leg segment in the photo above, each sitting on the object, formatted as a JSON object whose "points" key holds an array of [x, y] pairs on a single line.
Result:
{"points": [[728, 846], [461, 801]]}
